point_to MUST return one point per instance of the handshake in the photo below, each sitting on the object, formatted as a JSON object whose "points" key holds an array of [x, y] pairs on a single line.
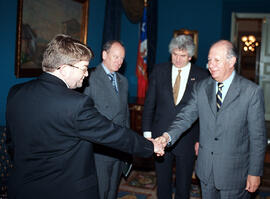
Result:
{"points": [[159, 143]]}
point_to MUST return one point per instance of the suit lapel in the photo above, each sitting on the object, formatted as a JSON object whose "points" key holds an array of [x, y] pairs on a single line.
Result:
{"points": [[108, 84], [232, 94], [168, 82], [120, 93], [211, 94], [191, 79]]}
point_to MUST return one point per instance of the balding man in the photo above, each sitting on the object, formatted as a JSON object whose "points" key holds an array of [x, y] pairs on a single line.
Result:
{"points": [[232, 128]]}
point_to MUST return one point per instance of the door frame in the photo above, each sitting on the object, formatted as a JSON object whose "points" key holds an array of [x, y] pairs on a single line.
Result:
{"points": [[244, 16], [264, 17]]}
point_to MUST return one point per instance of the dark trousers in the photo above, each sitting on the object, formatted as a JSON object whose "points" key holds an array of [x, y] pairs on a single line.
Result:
{"points": [[109, 175], [184, 168]]}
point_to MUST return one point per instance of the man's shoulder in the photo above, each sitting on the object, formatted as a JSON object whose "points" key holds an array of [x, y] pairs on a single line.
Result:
{"points": [[161, 68], [19, 86], [204, 82], [71, 96], [96, 72], [246, 83], [25, 85], [162, 65], [200, 70], [96, 69], [121, 76]]}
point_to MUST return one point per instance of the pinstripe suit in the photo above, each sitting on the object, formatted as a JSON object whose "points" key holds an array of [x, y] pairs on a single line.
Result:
{"points": [[233, 140]]}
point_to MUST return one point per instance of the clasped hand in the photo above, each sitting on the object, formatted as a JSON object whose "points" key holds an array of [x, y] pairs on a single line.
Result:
{"points": [[160, 143]]}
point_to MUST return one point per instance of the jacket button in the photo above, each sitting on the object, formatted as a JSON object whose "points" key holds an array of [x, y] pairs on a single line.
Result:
{"points": [[216, 139], [211, 153]]}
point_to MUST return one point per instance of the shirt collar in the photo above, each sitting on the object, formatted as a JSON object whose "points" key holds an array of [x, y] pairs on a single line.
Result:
{"points": [[58, 77], [229, 80], [106, 69], [185, 68]]}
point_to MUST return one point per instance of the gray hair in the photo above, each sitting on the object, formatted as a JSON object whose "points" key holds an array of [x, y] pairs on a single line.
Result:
{"points": [[182, 42]]}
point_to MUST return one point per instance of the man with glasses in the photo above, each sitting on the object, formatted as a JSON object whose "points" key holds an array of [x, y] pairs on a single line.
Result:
{"points": [[109, 91], [53, 127]]}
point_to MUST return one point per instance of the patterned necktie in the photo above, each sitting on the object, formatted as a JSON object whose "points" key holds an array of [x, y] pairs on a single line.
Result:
{"points": [[176, 87], [219, 95], [111, 77]]}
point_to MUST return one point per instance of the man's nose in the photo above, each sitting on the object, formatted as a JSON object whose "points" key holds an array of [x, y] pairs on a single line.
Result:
{"points": [[210, 64], [177, 58], [119, 61]]}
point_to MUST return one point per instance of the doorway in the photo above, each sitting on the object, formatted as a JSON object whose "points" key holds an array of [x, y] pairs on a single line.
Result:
{"points": [[248, 45], [250, 34]]}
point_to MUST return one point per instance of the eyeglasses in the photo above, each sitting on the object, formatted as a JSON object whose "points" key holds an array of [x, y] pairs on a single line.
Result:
{"points": [[83, 70]]}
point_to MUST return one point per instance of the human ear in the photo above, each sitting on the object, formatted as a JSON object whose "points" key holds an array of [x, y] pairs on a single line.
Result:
{"points": [[63, 70], [232, 61], [104, 54]]}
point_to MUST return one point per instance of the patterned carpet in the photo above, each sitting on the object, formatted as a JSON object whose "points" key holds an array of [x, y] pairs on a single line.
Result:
{"points": [[139, 184], [142, 185]]}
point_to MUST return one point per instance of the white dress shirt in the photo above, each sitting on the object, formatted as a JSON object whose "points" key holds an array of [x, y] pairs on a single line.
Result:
{"points": [[184, 78]]}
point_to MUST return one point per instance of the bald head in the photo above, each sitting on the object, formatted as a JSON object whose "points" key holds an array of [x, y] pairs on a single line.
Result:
{"points": [[228, 46], [221, 60]]}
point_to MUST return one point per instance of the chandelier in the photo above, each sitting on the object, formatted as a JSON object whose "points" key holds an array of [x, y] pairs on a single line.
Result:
{"points": [[249, 43]]}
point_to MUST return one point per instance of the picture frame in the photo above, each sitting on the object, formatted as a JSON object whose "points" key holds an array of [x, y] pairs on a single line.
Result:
{"points": [[38, 22], [193, 34]]}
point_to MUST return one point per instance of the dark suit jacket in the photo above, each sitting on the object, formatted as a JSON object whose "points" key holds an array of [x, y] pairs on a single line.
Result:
{"points": [[160, 110], [232, 140], [112, 105], [52, 129]]}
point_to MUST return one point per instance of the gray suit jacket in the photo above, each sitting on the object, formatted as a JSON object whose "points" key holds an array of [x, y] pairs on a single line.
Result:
{"points": [[112, 105], [233, 140]]}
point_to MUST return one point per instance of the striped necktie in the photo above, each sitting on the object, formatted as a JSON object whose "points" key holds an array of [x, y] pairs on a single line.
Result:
{"points": [[219, 95], [111, 77]]}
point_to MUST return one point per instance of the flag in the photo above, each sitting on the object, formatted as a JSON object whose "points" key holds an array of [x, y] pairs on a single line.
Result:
{"points": [[141, 67]]}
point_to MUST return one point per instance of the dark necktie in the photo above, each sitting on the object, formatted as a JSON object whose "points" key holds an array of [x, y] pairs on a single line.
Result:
{"points": [[176, 87], [111, 77], [219, 95]]}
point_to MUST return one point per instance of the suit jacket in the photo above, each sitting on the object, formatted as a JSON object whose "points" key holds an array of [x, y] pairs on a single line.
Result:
{"points": [[52, 129], [160, 110], [112, 105], [232, 140]]}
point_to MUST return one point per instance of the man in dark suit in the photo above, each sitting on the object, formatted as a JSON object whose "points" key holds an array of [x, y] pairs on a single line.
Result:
{"points": [[52, 128], [232, 128], [163, 102], [109, 91]]}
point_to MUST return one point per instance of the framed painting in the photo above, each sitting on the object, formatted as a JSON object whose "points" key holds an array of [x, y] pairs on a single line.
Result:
{"points": [[193, 34], [38, 22]]}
